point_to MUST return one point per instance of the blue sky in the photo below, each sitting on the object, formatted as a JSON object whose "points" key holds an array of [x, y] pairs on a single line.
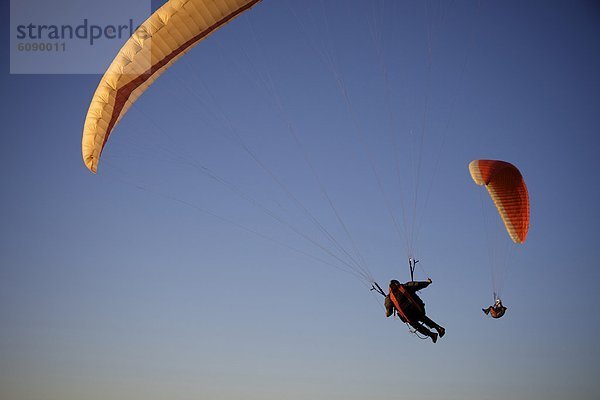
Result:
{"points": [[154, 279]]}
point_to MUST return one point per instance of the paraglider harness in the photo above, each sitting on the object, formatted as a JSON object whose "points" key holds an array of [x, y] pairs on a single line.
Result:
{"points": [[498, 309], [397, 309]]}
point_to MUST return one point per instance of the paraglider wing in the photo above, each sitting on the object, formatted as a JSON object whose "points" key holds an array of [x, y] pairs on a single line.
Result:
{"points": [[160, 41], [507, 189]]}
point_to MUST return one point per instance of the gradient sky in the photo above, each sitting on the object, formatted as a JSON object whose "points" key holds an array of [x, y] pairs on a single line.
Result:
{"points": [[152, 280]]}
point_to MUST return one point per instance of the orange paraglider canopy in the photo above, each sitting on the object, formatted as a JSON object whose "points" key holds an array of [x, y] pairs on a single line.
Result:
{"points": [[507, 189]]}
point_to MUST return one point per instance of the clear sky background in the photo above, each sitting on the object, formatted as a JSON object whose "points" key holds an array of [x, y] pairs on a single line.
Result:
{"points": [[166, 275]]}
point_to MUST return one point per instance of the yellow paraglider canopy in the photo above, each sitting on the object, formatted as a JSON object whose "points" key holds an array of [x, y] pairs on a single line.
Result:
{"points": [[160, 41]]}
